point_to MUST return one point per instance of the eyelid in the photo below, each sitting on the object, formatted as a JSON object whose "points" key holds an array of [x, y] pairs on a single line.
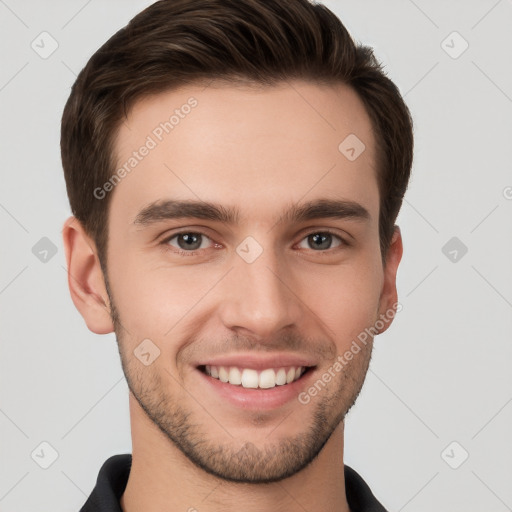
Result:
{"points": [[343, 235], [172, 232], [343, 241], [165, 241]]}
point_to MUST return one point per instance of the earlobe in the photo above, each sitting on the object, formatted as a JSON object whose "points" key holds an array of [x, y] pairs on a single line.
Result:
{"points": [[389, 295], [85, 278]]}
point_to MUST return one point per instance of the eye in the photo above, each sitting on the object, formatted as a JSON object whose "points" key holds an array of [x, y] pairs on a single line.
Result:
{"points": [[321, 241], [188, 241]]}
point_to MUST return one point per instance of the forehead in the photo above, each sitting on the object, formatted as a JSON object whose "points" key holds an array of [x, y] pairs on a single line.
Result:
{"points": [[255, 147]]}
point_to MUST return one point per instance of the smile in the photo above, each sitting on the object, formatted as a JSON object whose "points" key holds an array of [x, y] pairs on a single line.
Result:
{"points": [[254, 379]]}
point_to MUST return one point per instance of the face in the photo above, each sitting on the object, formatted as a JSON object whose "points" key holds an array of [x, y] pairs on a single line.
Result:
{"points": [[243, 263]]}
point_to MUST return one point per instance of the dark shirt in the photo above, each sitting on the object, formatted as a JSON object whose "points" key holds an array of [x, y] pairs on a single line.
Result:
{"points": [[113, 477]]}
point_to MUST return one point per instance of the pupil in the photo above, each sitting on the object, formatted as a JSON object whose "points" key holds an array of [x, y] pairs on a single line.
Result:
{"points": [[189, 241], [320, 240]]}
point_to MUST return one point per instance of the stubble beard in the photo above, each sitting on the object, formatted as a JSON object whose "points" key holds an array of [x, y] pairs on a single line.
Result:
{"points": [[274, 461], [249, 464]]}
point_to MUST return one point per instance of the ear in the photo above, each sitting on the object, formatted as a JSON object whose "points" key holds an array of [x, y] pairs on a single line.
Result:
{"points": [[85, 278], [389, 295]]}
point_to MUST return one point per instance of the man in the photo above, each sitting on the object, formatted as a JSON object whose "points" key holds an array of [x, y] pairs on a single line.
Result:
{"points": [[235, 169]]}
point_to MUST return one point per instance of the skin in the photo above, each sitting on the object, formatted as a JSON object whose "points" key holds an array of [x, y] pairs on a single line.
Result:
{"points": [[259, 150]]}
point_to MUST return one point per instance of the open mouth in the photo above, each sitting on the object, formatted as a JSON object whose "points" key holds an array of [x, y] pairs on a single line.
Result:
{"points": [[254, 379]]}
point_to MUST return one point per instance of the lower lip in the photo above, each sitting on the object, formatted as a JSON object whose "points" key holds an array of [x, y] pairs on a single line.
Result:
{"points": [[248, 398]]}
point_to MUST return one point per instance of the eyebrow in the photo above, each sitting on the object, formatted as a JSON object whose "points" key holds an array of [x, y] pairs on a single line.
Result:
{"points": [[180, 209]]}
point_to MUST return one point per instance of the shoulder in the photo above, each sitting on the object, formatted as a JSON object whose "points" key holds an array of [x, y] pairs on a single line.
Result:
{"points": [[359, 495], [110, 485]]}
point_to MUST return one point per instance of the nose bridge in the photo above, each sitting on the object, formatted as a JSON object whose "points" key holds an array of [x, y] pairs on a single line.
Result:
{"points": [[258, 298]]}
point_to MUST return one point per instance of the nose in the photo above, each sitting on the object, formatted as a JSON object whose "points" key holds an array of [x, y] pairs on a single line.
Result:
{"points": [[258, 299]]}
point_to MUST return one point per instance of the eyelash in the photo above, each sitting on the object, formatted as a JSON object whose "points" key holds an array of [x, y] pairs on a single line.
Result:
{"points": [[181, 252]]}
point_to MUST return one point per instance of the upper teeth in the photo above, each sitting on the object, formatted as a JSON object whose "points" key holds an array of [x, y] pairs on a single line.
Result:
{"points": [[249, 378]]}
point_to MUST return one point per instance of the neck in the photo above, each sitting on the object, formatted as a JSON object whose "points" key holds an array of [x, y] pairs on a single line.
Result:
{"points": [[163, 479]]}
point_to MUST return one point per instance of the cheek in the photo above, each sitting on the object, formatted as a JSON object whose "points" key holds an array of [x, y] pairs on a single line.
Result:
{"points": [[151, 298], [155, 300], [346, 298]]}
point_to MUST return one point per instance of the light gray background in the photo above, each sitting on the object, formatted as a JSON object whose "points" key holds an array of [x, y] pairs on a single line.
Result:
{"points": [[440, 374]]}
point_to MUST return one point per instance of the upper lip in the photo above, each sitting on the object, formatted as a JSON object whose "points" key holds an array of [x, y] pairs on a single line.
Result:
{"points": [[259, 361]]}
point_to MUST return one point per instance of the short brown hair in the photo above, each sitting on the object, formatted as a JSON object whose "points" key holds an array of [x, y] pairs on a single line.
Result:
{"points": [[178, 42]]}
